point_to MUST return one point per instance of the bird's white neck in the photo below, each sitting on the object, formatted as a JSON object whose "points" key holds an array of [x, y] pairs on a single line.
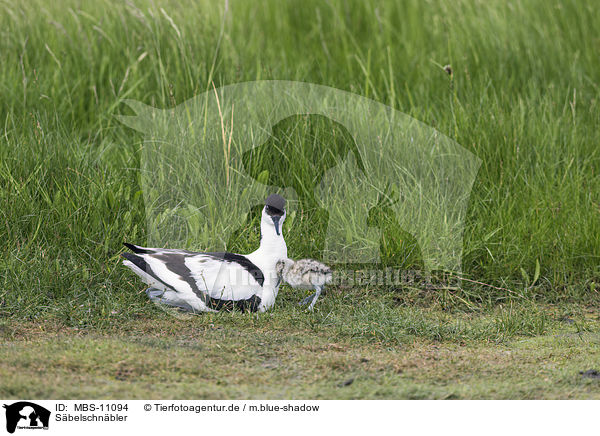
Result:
{"points": [[272, 249], [271, 244]]}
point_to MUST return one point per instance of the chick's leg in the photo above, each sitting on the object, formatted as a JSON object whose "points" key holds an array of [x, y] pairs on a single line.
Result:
{"points": [[316, 297], [308, 299]]}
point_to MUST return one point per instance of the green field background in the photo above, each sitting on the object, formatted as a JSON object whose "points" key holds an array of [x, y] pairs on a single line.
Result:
{"points": [[523, 95]]}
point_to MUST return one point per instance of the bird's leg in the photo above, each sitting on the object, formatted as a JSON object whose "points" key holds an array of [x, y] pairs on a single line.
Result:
{"points": [[307, 299], [316, 297], [154, 293]]}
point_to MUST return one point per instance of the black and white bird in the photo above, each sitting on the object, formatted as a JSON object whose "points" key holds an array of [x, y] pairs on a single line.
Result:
{"points": [[305, 274], [208, 282]]}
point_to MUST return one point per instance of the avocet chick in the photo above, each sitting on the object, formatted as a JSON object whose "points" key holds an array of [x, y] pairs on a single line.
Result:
{"points": [[305, 274]]}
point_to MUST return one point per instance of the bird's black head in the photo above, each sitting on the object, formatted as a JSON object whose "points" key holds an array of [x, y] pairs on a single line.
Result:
{"points": [[275, 209]]}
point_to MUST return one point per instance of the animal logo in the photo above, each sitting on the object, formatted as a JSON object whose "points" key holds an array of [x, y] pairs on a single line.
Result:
{"points": [[26, 415], [206, 163]]}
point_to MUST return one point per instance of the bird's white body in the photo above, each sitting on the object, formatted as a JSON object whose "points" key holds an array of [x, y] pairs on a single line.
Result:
{"points": [[208, 282]]}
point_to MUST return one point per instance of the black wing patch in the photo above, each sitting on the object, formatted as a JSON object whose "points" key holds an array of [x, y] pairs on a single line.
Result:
{"points": [[176, 264], [243, 261], [136, 249], [143, 250], [250, 305]]}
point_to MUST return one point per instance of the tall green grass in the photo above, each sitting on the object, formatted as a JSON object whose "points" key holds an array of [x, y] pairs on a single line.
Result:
{"points": [[523, 96]]}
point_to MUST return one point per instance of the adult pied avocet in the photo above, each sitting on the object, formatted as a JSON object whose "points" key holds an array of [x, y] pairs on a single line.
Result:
{"points": [[208, 282], [305, 274]]}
